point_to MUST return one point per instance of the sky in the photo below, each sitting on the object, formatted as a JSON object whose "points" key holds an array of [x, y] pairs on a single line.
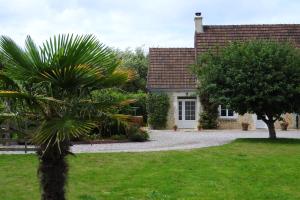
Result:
{"points": [[133, 23]]}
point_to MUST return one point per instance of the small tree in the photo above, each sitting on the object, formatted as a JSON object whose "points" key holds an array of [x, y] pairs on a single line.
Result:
{"points": [[258, 76]]}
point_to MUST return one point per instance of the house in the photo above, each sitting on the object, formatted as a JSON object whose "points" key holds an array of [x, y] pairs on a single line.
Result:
{"points": [[169, 71]]}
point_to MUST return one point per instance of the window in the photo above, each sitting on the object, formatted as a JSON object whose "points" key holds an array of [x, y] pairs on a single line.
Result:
{"points": [[190, 108], [224, 112], [180, 110]]}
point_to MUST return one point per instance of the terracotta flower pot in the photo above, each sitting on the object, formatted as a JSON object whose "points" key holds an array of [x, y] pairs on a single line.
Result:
{"points": [[175, 128], [137, 120], [245, 126], [284, 126], [199, 127]]}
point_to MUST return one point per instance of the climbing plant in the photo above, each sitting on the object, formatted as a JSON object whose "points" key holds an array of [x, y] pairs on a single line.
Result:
{"points": [[157, 108]]}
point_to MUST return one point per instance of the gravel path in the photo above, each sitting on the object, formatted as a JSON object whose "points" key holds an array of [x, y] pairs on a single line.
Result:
{"points": [[180, 140]]}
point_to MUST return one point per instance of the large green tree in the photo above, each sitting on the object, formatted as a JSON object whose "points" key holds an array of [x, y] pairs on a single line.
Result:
{"points": [[53, 84], [137, 61], [258, 76]]}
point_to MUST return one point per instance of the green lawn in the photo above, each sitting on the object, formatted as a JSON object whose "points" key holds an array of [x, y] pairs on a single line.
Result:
{"points": [[245, 169]]}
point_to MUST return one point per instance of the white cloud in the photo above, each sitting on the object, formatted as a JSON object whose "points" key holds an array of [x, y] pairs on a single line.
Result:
{"points": [[131, 23]]}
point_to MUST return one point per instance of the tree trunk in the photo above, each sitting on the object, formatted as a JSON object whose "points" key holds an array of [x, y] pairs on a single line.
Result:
{"points": [[7, 124], [272, 132], [6, 134], [52, 172]]}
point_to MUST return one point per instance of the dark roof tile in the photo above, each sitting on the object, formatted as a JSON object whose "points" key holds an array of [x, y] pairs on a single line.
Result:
{"points": [[169, 68]]}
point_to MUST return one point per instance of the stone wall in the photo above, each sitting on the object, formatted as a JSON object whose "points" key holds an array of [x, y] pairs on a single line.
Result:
{"points": [[289, 118], [236, 123], [224, 123]]}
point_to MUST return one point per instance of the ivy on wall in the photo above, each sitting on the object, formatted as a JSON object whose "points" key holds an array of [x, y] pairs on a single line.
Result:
{"points": [[157, 107]]}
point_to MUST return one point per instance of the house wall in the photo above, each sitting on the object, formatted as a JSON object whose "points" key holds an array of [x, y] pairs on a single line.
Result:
{"points": [[251, 119], [173, 110], [223, 123], [235, 123]]}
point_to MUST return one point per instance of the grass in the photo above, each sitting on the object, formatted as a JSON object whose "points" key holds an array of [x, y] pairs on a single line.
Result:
{"points": [[245, 169]]}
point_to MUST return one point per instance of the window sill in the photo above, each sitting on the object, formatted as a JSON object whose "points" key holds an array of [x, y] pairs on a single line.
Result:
{"points": [[228, 118]]}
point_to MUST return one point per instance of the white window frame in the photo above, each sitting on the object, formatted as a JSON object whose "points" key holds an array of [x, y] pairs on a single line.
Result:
{"points": [[234, 116]]}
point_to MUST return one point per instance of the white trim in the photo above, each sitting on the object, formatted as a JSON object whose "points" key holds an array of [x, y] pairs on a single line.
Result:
{"points": [[235, 115], [194, 123]]}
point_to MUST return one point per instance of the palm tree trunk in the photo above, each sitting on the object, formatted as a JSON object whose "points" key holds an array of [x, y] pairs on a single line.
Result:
{"points": [[52, 172]]}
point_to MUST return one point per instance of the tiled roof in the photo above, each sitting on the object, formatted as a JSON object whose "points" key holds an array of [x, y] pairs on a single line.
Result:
{"points": [[220, 35], [169, 68]]}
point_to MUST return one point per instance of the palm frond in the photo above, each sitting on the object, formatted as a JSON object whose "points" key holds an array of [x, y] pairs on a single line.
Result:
{"points": [[70, 50], [9, 116], [70, 77], [58, 130], [20, 65], [8, 83], [33, 53], [14, 94]]}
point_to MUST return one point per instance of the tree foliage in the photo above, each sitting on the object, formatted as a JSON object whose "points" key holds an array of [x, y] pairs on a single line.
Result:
{"points": [[136, 60], [258, 76], [157, 108], [209, 115]]}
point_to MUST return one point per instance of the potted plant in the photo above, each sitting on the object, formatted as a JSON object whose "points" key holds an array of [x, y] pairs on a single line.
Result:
{"points": [[175, 127], [199, 127], [245, 126], [284, 125]]}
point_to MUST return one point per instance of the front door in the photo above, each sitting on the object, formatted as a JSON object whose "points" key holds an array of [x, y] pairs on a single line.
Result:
{"points": [[187, 113], [260, 123]]}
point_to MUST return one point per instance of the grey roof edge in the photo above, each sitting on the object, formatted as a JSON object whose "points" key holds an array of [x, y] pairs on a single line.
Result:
{"points": [[171, 90]]}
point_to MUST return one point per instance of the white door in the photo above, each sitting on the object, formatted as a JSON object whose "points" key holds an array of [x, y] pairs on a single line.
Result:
{"points": [[260, 123], [186, 113]]}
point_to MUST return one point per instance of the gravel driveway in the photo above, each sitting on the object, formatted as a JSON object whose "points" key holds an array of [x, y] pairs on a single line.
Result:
{"points": [[180, 140]]}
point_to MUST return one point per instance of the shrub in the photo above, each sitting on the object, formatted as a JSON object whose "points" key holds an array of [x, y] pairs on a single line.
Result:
{"points": [[111, 126], [140, 104], [136, 134], [209, 116], [118, 137], [157, 108]]}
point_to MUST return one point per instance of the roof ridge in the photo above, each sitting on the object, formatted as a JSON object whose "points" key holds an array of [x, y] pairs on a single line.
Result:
{"points": [[245, 25], [171, 48]]}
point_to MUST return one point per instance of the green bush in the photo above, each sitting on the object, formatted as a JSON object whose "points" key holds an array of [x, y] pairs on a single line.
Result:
{"points": [[118, 137], [109, 126], [136, 134], [140, 105], [157, 108], [209, 116]]}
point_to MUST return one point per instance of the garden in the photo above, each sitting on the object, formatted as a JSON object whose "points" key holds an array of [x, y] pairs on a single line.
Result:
{"points": [[73, 89], [245, 169]]}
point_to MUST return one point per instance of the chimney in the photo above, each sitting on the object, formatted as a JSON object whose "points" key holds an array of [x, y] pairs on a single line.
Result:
{"points": [[198, 23]]}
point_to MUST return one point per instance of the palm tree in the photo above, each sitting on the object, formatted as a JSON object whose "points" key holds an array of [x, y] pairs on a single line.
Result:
{"points": [[55, 84]]}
